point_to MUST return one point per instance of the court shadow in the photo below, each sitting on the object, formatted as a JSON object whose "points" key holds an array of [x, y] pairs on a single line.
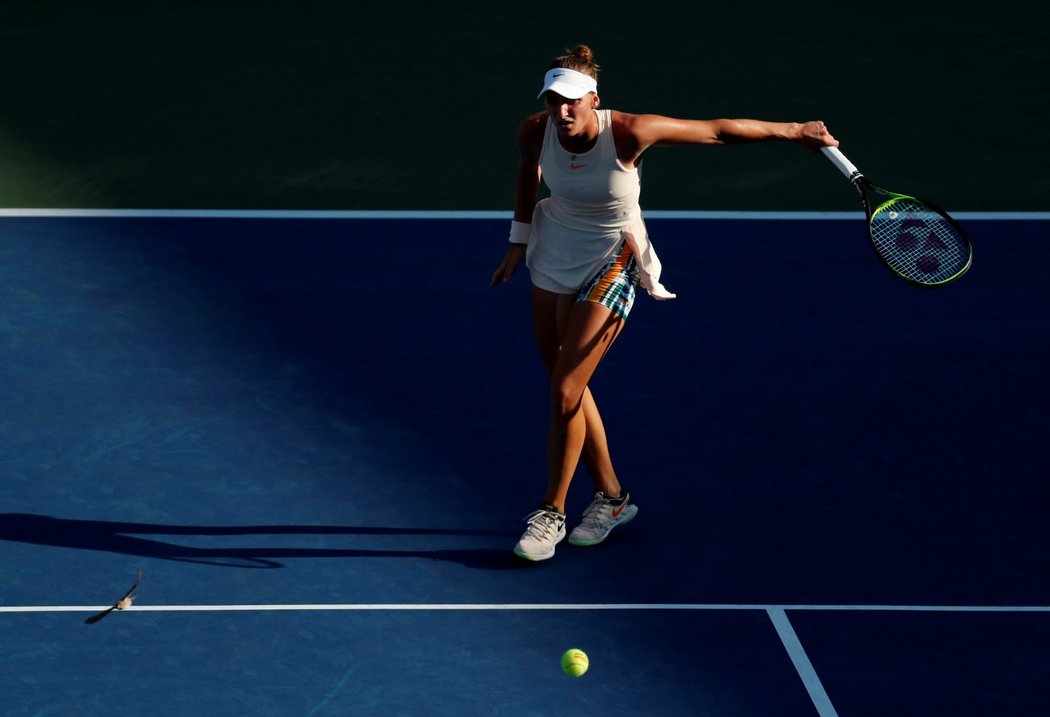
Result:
{"points": [[125, 538]]}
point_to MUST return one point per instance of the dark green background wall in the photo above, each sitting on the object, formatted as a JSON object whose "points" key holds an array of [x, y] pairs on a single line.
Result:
{"points": [[412, 105]]}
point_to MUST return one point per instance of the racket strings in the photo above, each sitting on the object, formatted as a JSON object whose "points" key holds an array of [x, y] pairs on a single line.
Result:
{"points": [[917, 242]]}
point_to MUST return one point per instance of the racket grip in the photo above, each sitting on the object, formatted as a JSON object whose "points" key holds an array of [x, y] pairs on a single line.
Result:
{"points": [[839, 160]]}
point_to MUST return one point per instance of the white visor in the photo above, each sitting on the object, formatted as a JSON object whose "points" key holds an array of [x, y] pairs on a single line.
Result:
{"points": [[568, 83]]}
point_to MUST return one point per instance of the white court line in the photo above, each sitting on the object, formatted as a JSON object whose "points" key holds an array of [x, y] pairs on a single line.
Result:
{"points": [[460, 214], [800, 660], [353, 607], [776, 613]]}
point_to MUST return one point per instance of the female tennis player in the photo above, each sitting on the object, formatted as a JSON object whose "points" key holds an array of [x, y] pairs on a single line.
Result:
{"points": [[587, 250]]}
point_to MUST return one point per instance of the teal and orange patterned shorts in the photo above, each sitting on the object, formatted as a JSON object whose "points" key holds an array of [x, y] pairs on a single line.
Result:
{"points": [[614, 285]]}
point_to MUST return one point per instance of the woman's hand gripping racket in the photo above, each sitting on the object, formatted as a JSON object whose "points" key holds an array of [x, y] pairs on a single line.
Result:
{"points": [[916, 240]]}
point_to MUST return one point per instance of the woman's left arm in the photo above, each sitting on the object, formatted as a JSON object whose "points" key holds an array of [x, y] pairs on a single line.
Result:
{"points": [[656, 130]]}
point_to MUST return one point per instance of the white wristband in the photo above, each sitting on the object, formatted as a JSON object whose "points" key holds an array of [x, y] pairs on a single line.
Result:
{"points": [[519, 232]]}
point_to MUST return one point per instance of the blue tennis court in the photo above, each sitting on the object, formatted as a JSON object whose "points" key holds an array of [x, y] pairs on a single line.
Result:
{"points": [[317, 435]]}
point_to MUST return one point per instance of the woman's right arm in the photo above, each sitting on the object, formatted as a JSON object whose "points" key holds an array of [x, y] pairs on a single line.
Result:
{"points": [[527, 183], [526, 190]]}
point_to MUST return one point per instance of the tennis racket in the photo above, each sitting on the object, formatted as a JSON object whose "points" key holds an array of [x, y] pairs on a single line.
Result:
{"points": [[916, 240]]}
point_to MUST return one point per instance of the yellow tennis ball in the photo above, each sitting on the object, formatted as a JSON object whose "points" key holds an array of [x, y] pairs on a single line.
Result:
{"points": [[574, 662]]}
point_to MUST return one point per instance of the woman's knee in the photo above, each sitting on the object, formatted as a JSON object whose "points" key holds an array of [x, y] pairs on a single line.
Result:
{"points": [[566, 399]]}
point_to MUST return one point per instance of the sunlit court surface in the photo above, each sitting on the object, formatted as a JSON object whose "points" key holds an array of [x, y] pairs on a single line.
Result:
{"points": [[316, 436]]}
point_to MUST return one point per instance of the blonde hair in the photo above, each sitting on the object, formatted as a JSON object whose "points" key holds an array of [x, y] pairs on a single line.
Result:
{"points": [[579, 58]]}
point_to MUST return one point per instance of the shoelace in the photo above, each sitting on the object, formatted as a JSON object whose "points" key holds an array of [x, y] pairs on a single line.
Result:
{"points": [[542, 523], [593, 513]]}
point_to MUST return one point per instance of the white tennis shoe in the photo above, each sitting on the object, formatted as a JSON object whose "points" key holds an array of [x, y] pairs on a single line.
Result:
{"points": [[601, 516], [545, 530]]}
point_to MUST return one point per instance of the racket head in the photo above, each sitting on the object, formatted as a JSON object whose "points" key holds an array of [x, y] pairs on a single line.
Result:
{"points": [[916, 240]]}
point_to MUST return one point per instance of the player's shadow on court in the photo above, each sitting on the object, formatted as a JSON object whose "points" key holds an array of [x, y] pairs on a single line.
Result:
{"points": [[125, 538]]}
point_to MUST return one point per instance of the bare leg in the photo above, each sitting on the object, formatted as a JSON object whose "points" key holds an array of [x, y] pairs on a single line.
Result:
{"points": [[573, 338], [596, 450]]}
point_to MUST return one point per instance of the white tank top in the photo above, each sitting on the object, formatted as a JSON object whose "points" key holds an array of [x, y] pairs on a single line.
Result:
{"points": [[593, 209]]}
